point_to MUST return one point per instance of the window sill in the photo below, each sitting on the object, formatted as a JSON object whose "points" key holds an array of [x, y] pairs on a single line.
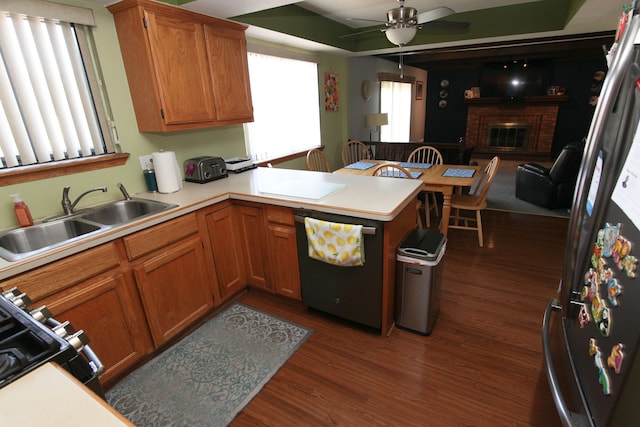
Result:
{"points": [[50, 170], [288, 157]]}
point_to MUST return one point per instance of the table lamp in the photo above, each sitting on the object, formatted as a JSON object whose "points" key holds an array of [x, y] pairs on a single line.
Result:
{"points": [[375, 121]]}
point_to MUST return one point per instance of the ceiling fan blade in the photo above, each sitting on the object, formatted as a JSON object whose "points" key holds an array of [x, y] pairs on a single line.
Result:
{"points": [[367, 20], [433, 14], [445, 25], [344, 36]]}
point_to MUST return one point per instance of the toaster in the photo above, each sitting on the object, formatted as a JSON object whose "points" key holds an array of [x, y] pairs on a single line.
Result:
{"points": [[204, 169]]}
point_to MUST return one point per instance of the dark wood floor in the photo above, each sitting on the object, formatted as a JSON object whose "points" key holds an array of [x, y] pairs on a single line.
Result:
{"points": [[481, 366]]}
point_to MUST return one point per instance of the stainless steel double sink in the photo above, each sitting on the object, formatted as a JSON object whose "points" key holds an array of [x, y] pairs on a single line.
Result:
{"points": [[24, 242]]}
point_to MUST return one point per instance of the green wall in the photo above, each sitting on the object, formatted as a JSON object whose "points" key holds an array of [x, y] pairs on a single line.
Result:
{"points": [[43, 197]]}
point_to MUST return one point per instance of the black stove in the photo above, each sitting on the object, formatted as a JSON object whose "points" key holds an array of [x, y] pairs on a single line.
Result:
{"points": [[31, 338]]}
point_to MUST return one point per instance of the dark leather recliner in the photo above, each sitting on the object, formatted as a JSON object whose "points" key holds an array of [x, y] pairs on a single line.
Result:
{"points": [[550, 187]]}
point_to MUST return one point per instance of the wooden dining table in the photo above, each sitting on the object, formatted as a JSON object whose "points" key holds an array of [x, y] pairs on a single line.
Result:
{"points": [[433, 179]]}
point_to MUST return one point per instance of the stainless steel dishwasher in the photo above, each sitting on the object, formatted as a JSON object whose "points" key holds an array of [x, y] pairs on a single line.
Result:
{"points": [[352, 293]]}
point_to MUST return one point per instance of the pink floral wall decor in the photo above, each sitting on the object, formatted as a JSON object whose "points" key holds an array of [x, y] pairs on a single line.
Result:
{"points": [[331, 100]]}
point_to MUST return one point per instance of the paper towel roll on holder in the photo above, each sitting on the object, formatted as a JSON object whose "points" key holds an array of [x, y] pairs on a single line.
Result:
{"points": [[168, 174]]}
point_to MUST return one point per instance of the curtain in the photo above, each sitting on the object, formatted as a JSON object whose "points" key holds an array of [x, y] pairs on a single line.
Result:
{"points": [[285, 107], [395, 100]]}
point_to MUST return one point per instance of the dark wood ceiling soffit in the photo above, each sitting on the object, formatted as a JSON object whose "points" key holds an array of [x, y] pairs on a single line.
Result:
{"points": [[568, 47]]}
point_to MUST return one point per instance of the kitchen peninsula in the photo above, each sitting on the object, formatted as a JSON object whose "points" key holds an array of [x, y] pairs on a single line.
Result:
{"points": [[224, 235]]}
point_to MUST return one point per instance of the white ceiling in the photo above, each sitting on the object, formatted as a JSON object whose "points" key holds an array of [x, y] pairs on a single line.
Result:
{"points": [[593, 16]]}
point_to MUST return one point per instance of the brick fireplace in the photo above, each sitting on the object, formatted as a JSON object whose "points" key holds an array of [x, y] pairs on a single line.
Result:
{"points": [[523, 127]]}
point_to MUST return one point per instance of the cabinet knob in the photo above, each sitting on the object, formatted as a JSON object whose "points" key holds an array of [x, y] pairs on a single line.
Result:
{"points": [[337, 301]]}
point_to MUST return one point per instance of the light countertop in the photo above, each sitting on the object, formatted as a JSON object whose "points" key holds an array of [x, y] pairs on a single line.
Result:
{"points": [[358, 196], [50, 396]]}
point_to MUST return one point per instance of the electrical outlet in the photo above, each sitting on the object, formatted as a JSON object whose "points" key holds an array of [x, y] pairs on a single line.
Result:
{"points": [[146, 162]]}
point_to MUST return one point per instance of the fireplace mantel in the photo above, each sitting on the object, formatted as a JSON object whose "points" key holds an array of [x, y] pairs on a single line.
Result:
{"points": [[538, 113], [526, 100]]}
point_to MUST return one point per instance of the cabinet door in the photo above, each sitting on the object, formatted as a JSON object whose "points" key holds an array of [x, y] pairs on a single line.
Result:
{"points": [[254, 245], [227, 51], [283, 257], [181, 69], [110, 313], [227, 255], [174, 289]]}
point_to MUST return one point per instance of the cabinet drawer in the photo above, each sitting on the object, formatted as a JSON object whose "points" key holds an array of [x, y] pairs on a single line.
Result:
{"points": [[149, 240], [280, 214], [54, 277]]}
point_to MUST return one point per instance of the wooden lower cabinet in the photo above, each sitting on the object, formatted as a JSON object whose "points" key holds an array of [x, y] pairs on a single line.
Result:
{"points": [[283, 252], [109, 311], [253, 240], [94, 292], [222, 234], [174, 288]]}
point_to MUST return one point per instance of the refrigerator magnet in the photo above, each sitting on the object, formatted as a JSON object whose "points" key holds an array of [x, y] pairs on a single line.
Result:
{"points": [[621, 249], [601, 315], [614, 289], [610, 235], [583, 316], [629, 264], [615, 358], [590, 285], [603, 378]]}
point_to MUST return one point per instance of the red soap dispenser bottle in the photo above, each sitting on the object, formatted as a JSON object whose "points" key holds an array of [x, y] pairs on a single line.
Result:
{"points": [[22, 211]]}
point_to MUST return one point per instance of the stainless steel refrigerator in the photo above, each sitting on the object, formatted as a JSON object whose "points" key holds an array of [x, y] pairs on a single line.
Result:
{"points": [[591, 330]]}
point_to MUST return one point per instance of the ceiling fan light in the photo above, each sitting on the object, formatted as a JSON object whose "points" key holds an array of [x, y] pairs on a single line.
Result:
{"points": [[400, 36]]}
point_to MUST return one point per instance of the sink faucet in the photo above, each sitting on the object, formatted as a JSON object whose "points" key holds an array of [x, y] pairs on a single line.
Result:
{"points": [[124, 191], [67, 206]]}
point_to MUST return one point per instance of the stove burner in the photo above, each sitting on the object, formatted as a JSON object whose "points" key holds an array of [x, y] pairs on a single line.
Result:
{"points": [[11, 361]]}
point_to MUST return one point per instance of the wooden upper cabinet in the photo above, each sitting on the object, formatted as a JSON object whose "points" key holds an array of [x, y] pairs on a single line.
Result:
{"points": [[227, 50], [185, 70], [181, 69]]}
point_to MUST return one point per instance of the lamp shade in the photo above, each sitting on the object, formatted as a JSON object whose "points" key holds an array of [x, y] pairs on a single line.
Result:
{"points": [[378, 119], [400, 35]]}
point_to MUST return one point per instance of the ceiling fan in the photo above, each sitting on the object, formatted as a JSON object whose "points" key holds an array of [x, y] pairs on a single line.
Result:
{"points": [[403, 22]]}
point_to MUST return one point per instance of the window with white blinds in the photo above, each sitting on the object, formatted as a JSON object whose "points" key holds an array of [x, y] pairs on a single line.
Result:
{"points": [[286, 108], [51, 107]]}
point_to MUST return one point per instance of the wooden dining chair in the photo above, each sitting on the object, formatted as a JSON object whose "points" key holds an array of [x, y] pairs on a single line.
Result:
{"points": [[317, 161], [354, 151], [391, 170], [427, 154], [475, 200]]}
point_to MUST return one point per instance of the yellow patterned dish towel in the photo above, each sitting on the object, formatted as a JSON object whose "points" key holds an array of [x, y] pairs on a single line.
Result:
{"points": [[335, 243]]}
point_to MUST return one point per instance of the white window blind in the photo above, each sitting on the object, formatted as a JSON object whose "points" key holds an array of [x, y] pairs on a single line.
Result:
{"points": [[395, 100], [285, 107], [48, 107]]}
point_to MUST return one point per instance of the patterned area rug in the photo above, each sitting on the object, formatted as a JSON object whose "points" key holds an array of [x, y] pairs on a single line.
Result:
{"points": [[209, 376]]}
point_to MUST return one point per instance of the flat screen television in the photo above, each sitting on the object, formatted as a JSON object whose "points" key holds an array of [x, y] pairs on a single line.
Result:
{"points": [[515, 79]]}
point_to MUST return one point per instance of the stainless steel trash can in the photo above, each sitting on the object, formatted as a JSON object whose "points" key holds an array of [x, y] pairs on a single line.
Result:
{"points": [[419, 265]]}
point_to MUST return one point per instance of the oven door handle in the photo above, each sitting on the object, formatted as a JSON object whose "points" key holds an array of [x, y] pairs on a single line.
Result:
{"points": [[94, 361], [365, 229]]}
